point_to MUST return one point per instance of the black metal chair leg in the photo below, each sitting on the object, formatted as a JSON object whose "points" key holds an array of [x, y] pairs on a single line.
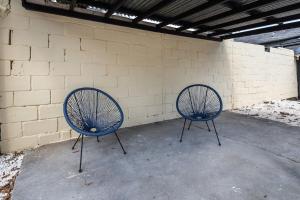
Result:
{"points": [[98, 139], [182, 130], [120, 142], [216, 132], [76, 142], [207, 126], [190, 125], [80, 170]]}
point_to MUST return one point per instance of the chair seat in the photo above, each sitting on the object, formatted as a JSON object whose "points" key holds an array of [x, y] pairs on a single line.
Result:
{"points": [[201, 116], [98, 130], [199, 102], [92, 112]]}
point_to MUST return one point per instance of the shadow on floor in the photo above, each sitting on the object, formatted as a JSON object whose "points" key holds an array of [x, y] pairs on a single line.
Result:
{"points": [[258, 159]]}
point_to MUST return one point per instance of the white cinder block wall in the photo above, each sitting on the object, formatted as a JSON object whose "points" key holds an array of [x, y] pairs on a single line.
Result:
{"points": [[43, 57]]}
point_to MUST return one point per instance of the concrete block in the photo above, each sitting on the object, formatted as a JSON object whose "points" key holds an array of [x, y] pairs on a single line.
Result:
{"points": [[63, 125], [118, 48], [14, 21], [90, 57], [30, 98], [30, 38], [74, 134], [117, 70], [136, 91], [139, 60], [17, 114], [4, 35], [19, 144], [137, 113], [39, 127], [93, 69], [282, 51], [169, 116], [6, 99], [11, 130], [156, 110], [135, 49], [17, 8], [58, 96], [47, 54], [4, 67], [50, 111], [98, 46], [73, 82], [64, 42], [79, 56], [65, 68], [65, 135], [46, 26], [169, 108], [105, 81], [14, 52], [78, 30], [114, 35], [48, 138], [47, 82], [117, 92], [141, 101], [21, 68], [14, 83], [125, 81], [170, 98]]}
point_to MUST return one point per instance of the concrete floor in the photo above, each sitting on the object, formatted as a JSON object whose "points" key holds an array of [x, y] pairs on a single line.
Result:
{"points": [[258, 159]]}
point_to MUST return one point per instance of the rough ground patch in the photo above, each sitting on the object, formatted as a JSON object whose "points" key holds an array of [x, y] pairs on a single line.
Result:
{"points": [[9, 168], [285, 111]]}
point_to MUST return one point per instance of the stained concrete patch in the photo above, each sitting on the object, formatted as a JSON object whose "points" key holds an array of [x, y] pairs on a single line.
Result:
{"points": [[258, 159]]}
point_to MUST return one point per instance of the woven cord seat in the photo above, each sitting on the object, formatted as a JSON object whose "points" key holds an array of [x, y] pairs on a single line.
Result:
{"points": [[199, 103], [92, 112]]}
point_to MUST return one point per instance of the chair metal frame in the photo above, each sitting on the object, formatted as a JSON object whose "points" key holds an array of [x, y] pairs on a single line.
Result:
{"points": [[206, 120], [83, 133]]}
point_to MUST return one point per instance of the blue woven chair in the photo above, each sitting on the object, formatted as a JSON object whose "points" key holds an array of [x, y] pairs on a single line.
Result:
{"points": [[92, 112], [199, 103]]}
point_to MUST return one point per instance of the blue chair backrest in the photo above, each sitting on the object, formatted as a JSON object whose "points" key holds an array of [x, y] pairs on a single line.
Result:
{"points": [[199, 103], [92, 112]]}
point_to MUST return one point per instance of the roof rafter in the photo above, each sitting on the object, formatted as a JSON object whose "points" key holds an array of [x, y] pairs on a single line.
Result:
{"points": [[124, 10], [152, 10], [275, 42], [245, 8], [290, 45], [251, 18], [102, 10], [237, 5], [190, 12], [255, 25], [117, 5], [264, 30], [103, 5], [97, 18]]}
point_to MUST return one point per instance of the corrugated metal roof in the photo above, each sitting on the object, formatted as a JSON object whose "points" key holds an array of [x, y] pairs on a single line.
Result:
{"points": [[207, 13], [277, 4], [228, 19], [244, 24], [217, 17], [141, 6], [179, 6], [269, 37]]}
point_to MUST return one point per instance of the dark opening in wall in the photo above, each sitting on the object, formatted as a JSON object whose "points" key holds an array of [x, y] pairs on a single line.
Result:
{"points": [[267, 49]]}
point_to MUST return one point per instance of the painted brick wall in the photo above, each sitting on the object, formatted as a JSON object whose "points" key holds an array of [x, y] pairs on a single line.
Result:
{"points": [[43, 57]]}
